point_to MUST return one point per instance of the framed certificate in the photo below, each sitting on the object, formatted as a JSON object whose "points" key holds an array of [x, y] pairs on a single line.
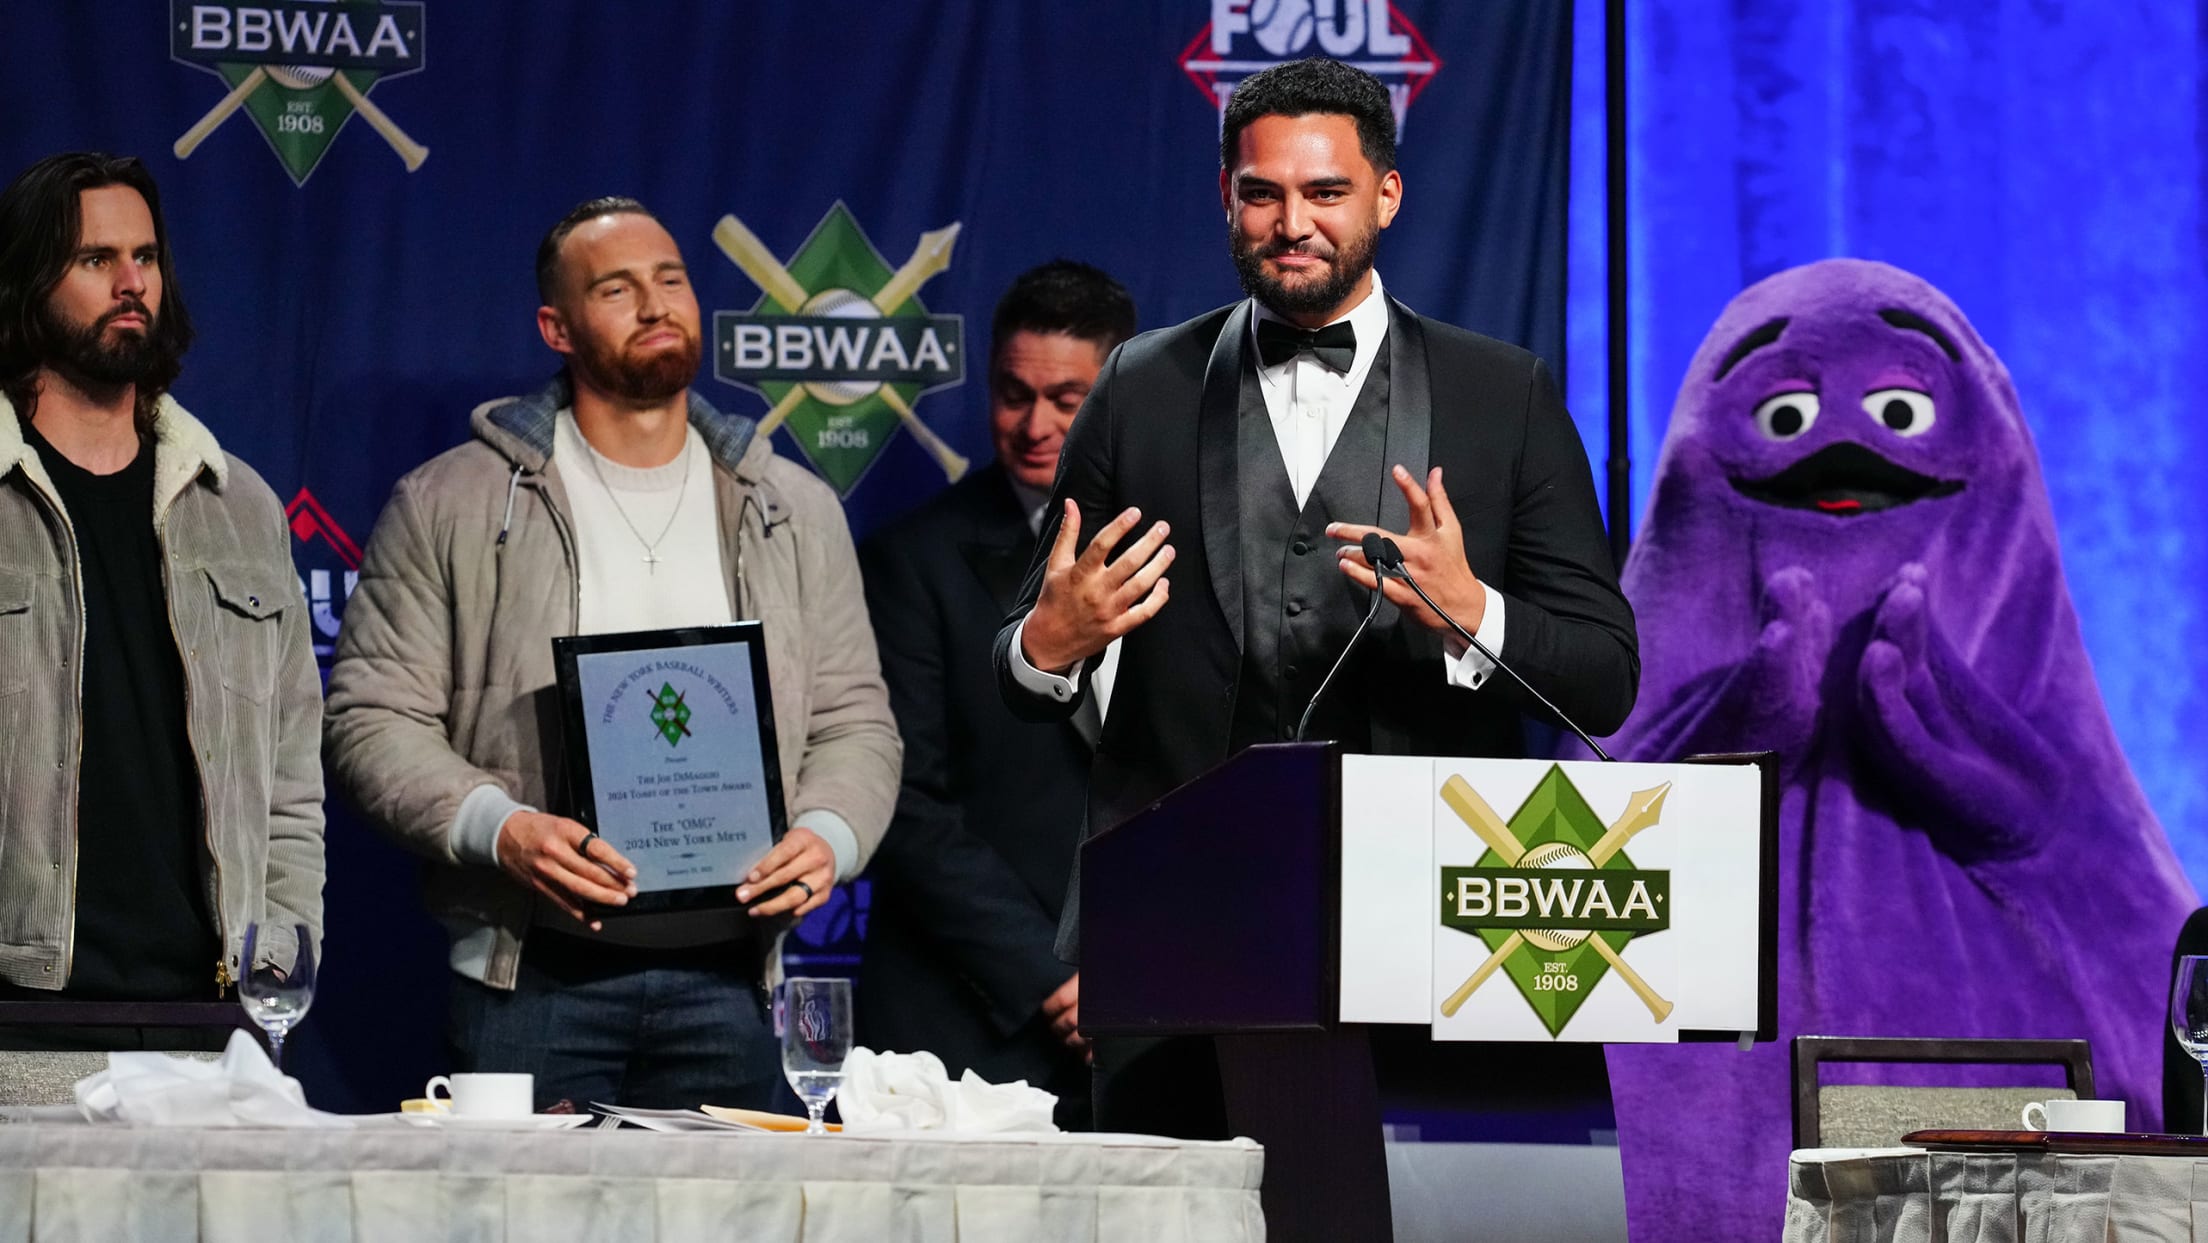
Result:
{"points": [[671, 752]]}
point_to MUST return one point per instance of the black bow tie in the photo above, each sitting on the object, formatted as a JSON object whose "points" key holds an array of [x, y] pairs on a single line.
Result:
{"points": [[1334, 346]]}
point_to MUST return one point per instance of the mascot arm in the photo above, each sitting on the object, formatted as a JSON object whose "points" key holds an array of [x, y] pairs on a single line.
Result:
{"points": [[1985, 782]]}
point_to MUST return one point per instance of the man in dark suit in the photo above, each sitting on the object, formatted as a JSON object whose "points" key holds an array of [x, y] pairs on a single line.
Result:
{"points": [[971, 877], [1264, 440]]}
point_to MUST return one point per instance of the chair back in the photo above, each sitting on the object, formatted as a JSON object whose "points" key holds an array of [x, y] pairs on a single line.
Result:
{"points": [[1877, 1116]]}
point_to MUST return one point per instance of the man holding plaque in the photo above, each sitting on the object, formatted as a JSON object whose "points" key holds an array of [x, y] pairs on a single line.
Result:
{"points": [[614, 501]]}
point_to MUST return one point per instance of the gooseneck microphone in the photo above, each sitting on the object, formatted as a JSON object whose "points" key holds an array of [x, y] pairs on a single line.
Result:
{"points": [[1390, 564], [1372, 553]]}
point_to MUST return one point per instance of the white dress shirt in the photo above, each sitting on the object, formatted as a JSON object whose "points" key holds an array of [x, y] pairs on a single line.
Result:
{"points": [[1309, 403]]}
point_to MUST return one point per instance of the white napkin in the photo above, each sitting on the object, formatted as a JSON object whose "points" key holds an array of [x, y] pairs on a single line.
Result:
{"points": [[912, 1092], [154, 1089]]}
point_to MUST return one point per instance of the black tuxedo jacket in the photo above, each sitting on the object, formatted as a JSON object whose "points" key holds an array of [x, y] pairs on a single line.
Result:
{"points": [[970, 879], [1158, 432]]}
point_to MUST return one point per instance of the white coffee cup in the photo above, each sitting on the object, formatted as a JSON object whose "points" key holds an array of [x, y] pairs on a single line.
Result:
{"points": [[485, 1095], [2058, 1115]]}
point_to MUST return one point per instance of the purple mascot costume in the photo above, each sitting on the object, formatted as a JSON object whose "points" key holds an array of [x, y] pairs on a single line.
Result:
{"points": [[1849, 559]]}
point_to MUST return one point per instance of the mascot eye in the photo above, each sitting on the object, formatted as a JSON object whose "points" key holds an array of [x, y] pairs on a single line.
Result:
{"points": [[1787, 415], [1902, 411]]}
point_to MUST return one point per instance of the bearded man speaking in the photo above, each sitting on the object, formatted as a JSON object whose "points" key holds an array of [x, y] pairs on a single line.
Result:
{"points": [[615, 499], [1249, 451]]}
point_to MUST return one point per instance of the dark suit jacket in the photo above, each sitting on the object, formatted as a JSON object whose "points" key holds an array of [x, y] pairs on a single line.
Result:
{"points": [[1158, 432], [970, 878]]}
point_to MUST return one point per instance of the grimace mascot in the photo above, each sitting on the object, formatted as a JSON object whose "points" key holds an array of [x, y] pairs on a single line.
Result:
{"points": [[1849, 558]]}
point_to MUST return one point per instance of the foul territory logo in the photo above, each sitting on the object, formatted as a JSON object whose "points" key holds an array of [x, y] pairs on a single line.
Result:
{"points": [[1554, 897], [1248, 35], [840, 343], [329, 568], [300, 69]]}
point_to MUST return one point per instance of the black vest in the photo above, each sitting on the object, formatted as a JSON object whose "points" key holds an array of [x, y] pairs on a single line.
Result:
{"points": [[1299, 610]]}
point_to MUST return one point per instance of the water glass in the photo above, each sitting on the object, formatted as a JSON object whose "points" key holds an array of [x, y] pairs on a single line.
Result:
{"points": [[816, 1038], [277, 985], [2189, 1016]]}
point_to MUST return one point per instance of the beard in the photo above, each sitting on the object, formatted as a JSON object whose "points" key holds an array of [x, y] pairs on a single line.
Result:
{"points": [[644, 378], [134, 356], [1313, 294]]}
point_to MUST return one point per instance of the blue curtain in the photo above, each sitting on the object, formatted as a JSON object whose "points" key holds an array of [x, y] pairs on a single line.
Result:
{"points": [[2039, 161]]}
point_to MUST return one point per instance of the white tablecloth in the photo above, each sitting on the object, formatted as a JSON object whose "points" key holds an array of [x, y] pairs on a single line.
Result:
{"points": [[1907, 1195], [98, 1183]]}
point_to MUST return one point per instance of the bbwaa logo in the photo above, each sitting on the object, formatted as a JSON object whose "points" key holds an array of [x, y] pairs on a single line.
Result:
{"points": [[300, 68], [840, 343], [1248, 35], [1554, 897], [329, 564]]}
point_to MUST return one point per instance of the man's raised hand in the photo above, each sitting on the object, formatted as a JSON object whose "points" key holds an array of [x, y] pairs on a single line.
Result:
{"points": [[1087, 601]]}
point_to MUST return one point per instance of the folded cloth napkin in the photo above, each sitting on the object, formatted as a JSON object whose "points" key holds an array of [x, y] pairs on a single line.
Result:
{"points": [[912, 1092], [243, 1089]]}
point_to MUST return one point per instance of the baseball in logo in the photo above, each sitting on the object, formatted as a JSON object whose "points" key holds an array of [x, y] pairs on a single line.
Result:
{"points": [[300, 69], [329, 567], [1245, 36], [840, 343], [1554, 897]]}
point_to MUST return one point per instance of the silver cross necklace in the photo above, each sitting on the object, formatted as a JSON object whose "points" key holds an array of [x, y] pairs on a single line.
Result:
{"points": [[651, 546]]}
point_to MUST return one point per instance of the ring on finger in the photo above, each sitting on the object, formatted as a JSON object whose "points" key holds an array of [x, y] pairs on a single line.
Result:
{"points": [[807, 888], [583, 847]]}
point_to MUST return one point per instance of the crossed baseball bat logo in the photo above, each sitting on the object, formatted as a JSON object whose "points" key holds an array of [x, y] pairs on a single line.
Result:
{"points": [[1641, 811], [930, 256], [410, 151]]}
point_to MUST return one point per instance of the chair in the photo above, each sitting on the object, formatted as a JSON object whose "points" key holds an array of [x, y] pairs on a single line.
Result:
{"points": [[49, 1076], [1877, 1116]]}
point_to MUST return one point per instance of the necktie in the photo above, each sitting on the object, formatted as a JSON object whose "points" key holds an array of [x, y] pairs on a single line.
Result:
{"points": [[1335, 345]]}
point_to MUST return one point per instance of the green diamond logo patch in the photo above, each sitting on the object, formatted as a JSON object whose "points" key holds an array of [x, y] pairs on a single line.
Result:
{"points": [[670, 715], [300, 69], [1554, 897], [840, 344]]}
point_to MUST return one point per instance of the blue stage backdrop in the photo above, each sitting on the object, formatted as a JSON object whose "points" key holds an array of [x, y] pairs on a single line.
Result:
{"points": [[2042, 164], [356, 191]]}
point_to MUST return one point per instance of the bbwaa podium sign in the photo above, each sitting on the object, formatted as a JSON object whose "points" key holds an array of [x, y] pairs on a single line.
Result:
{"points": [[1532, 900]]}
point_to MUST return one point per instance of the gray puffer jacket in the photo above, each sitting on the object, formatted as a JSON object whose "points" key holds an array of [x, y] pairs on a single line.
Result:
{"points": [[444, 681], [253, 697]]}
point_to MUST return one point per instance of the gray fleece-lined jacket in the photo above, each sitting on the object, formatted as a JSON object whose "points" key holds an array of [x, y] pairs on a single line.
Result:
{"points": [[443, 714], [253, 700]]}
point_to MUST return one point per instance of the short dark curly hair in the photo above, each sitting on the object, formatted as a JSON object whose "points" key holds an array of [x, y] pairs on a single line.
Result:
{"points": [[1314, 84]]}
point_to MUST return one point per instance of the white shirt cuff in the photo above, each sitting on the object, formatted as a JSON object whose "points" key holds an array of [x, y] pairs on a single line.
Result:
{"points": [[1460, 663], [1048, 685], [474, 832], [836, 831]]}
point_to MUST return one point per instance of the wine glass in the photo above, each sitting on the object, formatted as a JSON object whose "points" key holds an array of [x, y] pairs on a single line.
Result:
{"points": [[816, 1037], [2189, 1016], [278, 983]]}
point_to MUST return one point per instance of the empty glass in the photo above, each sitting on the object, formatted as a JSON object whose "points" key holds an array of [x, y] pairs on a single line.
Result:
{"points": [[2189, 1016], [277, 985], [816, 1038]]}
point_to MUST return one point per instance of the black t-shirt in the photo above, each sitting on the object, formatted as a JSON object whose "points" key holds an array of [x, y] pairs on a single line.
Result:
{"points": [[143, 931]]}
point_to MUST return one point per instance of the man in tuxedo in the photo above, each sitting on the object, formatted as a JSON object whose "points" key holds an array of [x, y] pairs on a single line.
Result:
{"points": [[1249, 450], [970, 880]]}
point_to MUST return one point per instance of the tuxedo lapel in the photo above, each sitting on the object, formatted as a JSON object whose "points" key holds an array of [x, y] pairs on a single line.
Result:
{"points": [[1000, 566], [1218, 481], [1410, 412]]}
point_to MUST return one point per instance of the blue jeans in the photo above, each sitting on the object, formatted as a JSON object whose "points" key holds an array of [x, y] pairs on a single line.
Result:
{"points": [[647, 1029]]}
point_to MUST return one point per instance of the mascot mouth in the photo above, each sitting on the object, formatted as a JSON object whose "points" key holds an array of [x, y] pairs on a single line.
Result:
{"points": [[1845, 479]]}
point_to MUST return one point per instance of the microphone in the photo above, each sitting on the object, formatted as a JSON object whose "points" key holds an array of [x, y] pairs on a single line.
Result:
{"points": [[1394, 568], [1373, 552]]}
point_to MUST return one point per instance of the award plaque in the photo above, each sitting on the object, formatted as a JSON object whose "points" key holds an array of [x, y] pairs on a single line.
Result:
{"points": [[671, 755]]}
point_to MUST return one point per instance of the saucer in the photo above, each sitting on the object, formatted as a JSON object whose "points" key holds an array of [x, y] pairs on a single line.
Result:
{"points": [[527, 1122]]}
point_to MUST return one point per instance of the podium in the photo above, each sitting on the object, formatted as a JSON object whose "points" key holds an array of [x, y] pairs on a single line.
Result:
{"points": [[1310, 911]]}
